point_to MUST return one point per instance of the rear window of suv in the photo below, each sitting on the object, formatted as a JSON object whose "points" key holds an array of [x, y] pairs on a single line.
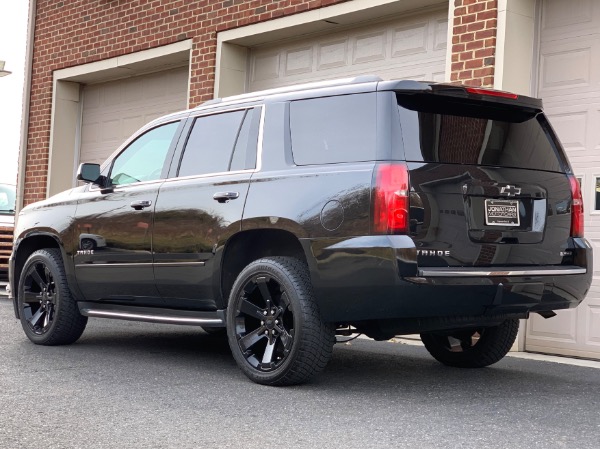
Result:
{"points": [[455, 131], [329, 130]]}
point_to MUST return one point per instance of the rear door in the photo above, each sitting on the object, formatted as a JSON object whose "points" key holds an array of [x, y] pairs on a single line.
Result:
{"points": [[200, 206], [488, 183]]}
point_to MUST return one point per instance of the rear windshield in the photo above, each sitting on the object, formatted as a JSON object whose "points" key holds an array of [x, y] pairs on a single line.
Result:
{"points": [[455, 131]]}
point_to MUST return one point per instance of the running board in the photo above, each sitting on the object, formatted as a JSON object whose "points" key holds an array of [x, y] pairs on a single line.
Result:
{"points": [[153, 314]]}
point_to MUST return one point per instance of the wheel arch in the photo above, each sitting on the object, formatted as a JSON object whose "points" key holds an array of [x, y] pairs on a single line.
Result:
{"points": [[24, 248], [247, 246]]}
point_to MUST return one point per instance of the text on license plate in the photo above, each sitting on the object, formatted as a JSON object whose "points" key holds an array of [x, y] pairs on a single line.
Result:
{"points": [[502, 213]]}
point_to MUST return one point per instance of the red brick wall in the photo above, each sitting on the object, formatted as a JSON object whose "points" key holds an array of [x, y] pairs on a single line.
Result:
{"points": [[474, 42]]}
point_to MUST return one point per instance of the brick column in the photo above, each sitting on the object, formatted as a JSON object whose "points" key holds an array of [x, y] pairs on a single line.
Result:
{"points": [[474, 42]]}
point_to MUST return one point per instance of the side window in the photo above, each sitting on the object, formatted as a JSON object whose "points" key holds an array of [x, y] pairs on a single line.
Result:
{"points": [[144, 158], [210, 146], [334, 129], [244, 152]]}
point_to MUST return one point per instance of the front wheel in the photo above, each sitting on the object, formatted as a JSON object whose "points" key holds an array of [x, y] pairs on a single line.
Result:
{"points": [[274, 327], [472, 348], [48, 312]]}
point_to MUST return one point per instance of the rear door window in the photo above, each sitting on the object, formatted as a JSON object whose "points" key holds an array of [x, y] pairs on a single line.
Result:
{"points": [[333, 129], [219, 143], [454, 131]]}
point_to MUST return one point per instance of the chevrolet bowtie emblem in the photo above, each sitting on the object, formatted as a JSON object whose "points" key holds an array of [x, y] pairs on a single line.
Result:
{"points": [[510, 190]]}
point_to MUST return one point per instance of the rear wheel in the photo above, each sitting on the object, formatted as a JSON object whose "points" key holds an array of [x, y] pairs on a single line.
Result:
{"points": [[274, 327], [472, 348], [48, 312]]}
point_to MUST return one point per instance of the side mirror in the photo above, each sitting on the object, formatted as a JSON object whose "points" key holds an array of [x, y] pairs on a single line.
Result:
{"points": [[89, 173]]}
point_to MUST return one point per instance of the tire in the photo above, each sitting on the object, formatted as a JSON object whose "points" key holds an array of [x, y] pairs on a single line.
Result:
{"points": [[274, 296], [472, 348], [48, 312]]}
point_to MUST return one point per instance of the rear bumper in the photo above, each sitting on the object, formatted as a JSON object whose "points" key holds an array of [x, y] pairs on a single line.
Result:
{"points": [[377, 277]]}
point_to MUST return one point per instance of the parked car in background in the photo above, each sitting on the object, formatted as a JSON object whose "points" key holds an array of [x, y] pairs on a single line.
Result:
{"points": [[7, 221], [290, 216]]}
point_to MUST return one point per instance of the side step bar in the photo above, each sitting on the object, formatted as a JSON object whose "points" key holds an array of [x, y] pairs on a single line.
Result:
{"points": [[153, 314]]}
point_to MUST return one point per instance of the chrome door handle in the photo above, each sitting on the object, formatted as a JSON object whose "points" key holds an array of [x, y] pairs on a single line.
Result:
{"points": [[223, 197], [139, 205]]}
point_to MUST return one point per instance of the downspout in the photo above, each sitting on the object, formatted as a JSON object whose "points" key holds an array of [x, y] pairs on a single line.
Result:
{"points": [[25, 107]]}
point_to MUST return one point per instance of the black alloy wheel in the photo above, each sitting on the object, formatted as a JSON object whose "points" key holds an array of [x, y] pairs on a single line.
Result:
{"points": [[472, 348], [275, 331], [39, 297], [48, 312]]}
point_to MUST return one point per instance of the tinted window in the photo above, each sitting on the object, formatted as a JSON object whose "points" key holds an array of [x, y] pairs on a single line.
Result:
{"points": [[333, 129], [459, 132], [210, 145], [144, 158], [244, 153]]}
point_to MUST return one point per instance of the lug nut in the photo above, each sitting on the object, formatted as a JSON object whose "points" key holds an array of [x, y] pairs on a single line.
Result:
{"points": [[265, 312], [266, 332], [262, 323], [276, 321]]}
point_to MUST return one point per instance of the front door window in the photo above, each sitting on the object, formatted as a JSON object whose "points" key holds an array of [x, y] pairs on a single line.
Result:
{"points": [[144, 158]]}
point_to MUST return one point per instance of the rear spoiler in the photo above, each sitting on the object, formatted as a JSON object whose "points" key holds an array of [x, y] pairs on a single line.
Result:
{"points": [[460, 91]]}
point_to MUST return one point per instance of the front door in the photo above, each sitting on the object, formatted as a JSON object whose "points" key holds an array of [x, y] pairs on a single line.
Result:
{"points": [[114, 225]]}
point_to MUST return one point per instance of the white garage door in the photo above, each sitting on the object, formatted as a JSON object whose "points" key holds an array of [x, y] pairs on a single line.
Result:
{"points": [[569, 83], [411, 47], [113, 111]]}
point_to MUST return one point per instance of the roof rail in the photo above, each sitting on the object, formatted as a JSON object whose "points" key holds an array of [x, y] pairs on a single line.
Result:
{"points": [[295, 88]]}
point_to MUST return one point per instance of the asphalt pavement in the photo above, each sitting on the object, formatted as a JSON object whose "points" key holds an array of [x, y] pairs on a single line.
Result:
{"points": [[137, 385]]}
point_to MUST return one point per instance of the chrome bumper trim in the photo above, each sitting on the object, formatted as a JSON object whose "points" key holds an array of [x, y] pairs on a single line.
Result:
{"points": [[509, 271]]}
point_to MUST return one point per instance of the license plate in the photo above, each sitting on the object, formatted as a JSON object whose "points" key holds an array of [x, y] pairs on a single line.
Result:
{"points": [[502, 213]]}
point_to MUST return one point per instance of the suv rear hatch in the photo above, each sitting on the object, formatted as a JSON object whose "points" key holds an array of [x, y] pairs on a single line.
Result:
{"points": [[489, 182]]}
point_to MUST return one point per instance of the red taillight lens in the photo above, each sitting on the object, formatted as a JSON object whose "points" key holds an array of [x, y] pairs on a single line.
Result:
{"points": [[491, 93], [576, 208], [391, 199]]}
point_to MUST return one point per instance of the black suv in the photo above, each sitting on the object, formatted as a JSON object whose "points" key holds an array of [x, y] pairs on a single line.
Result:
{"points": [[290, 216]]}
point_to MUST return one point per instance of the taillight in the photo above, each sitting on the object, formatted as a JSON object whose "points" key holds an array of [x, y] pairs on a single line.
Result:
{"points": [[391, 199], [491, 93], [576, 208]]}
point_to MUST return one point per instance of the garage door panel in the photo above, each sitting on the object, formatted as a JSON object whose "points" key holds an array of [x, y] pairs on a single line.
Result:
{"points": [[333, 54], [410, 39], [369, 47], [299, 61], [113, 111], [566, 69], [562, 15], [592, 336], [546, 329], [572, 127], [397, 48]]}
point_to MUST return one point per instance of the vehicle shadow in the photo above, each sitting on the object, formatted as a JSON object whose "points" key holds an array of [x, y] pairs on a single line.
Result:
{"points": [[382, 370]]}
